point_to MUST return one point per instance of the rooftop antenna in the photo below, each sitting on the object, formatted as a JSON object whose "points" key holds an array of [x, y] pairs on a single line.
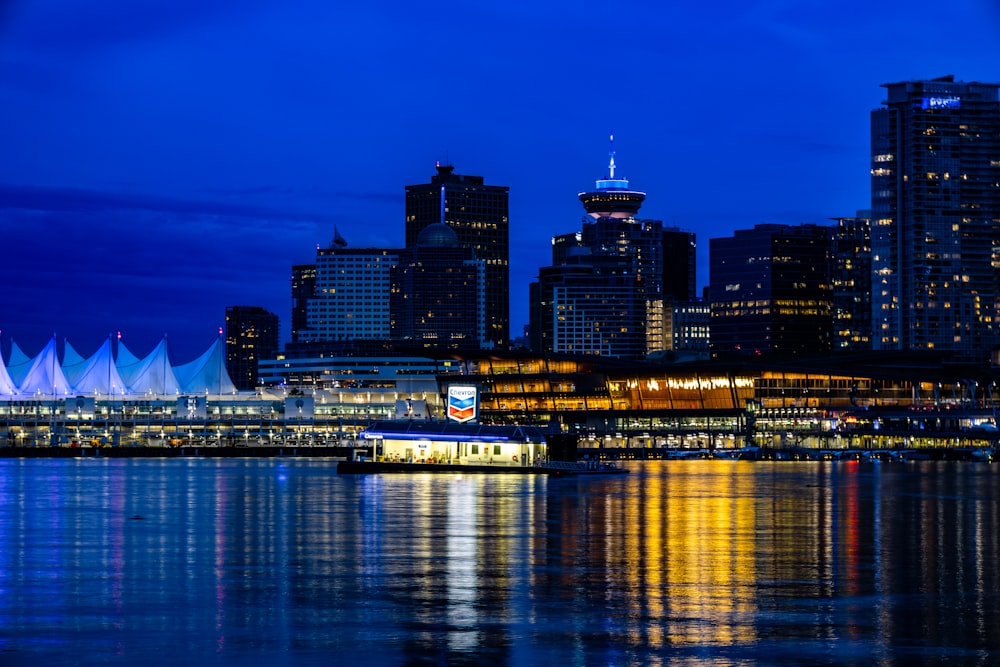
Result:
{"points": [[611, 167], [338, 240]]}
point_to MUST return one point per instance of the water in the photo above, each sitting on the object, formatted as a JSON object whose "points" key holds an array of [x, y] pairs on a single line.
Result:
{"points": [[282, 562]]}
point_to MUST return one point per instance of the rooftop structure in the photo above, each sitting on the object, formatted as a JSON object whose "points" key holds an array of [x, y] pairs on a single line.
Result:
{"points": [[611, 196], [105, 375]]}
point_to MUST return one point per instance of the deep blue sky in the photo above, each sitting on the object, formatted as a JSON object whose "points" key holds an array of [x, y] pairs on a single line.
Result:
{"points": [[162, 160]]}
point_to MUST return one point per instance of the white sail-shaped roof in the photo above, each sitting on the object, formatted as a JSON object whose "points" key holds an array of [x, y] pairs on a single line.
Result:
{"points": [[100, 375], [18, 364], [7, 386], [154, 375], [207, 373], [45, 376], [127, 363], [124, 355], [72, 364]]}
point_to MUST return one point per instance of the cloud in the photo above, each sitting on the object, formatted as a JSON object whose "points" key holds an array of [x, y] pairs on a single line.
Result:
{"points": [[77, 26], [88, 261], [39, 198]]}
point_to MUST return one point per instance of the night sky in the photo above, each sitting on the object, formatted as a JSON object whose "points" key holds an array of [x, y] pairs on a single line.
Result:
{"points": [[162, 160]]}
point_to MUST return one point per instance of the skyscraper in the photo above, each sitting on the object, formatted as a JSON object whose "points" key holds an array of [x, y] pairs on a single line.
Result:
{"points": [[478, 213], [680, 277], [935, 169], [350, 297], [851, 281], [588, 305], [303, 287], [770, 290], [438, 295], [603, 293], [251, 335]]}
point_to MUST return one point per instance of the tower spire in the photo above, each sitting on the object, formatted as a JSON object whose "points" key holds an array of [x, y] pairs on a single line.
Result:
{"points": [[611, 166]]}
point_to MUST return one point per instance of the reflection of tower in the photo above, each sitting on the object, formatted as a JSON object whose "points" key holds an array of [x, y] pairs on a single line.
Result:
{"points": [[477, 213]]}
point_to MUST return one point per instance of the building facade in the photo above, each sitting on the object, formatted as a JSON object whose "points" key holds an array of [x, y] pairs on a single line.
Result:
{"points": [[690, 326], [590, 305], [438, 296], [851, 281], [680, 269], [303, 288], [478, 213], [935, 169], [770, 290], [604, 292], [251, 335], [351, 292]]}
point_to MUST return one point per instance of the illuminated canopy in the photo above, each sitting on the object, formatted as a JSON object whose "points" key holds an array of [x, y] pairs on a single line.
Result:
{"points": [[101, 374], [45, 375]]}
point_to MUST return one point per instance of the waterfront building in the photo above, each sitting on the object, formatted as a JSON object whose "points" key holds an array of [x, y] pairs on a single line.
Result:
{"points": [[850, 401], [438, 293], [497, 446], [770, 290], [935, 170], [251, 335], [853, 400], [851, 282], [121, 376], [478, 213]]}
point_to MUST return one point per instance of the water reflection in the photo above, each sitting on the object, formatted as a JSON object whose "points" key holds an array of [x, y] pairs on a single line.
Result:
{"points": [[680, 562]]}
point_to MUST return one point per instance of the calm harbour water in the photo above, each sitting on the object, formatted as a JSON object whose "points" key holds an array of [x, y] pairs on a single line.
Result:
{"points": [[282, 562]]}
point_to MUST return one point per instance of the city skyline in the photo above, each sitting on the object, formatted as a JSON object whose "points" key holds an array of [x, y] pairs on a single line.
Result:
{"points": [[162, 165]]}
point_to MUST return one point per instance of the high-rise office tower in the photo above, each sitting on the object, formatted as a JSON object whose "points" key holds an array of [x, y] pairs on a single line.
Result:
{"points": [[935, 169], [303, 287], [690, 324], [478, 213], [770, 290], [611, 229], [438, 295], [586, 301], [350, 293], [851, 281], [680, 276], [591, 304], [251, 335]]}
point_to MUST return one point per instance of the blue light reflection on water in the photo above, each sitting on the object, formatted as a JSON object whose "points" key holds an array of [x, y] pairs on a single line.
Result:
{"points": [[280, 561]]}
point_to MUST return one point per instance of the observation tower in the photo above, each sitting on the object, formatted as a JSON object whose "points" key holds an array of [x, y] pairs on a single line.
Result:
{"points": [[611, 197]]}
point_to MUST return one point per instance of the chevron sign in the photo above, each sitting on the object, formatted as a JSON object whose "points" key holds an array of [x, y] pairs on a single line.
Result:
{"points": [[462, 404]]}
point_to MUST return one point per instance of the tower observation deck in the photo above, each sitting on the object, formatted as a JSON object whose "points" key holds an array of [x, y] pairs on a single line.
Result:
{"points": [[611, 197]]}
